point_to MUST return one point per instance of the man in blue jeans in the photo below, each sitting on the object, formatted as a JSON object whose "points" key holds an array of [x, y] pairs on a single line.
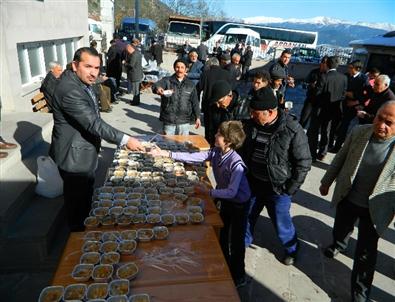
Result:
{"points": [[278, 158]]}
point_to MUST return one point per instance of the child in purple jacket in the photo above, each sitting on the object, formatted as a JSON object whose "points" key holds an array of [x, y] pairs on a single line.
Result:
{"points": [[232, 190]]}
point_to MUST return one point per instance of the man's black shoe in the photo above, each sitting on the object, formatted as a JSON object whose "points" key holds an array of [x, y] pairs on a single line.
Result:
{"points": [[320, 156], [332, 251], [241, 282]]}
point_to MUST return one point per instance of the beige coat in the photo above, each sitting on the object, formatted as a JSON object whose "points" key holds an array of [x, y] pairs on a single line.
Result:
{"points": [[344, 168]]}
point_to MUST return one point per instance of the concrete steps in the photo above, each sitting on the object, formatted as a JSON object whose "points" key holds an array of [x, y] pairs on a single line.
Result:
{"points": [[31, 227]]}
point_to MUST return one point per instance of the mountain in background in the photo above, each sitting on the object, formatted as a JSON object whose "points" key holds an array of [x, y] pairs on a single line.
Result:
{"points": [[330, 31]]}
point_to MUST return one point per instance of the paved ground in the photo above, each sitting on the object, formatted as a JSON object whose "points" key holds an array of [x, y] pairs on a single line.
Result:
{"points": [[313, 278]]}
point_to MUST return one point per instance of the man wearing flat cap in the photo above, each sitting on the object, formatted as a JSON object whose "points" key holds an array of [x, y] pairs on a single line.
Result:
{"points": [[278, 158], [276, 83], [220, 107]]}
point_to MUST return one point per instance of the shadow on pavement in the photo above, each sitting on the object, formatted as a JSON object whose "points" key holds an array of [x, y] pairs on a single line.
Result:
{"points": [[385, 263], [331, 275], [151, 121], [255, 291]]}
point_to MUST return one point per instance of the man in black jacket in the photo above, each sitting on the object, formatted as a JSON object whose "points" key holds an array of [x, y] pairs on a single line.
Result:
{"points": [[281, 66], [326, 112], [77, 133], [220, 109], [209, 76], [115, 55], [179, 102], [247, 59], [278, 159], [357, 85], [156, 51], [49, 83]]}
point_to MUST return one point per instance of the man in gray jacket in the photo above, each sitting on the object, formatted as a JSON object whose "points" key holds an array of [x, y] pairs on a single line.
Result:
{"points": [[134, 70], [364, 170], [77, 133]]}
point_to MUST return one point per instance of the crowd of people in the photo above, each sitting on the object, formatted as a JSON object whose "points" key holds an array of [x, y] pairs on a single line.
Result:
{"points": [[260, 153]]}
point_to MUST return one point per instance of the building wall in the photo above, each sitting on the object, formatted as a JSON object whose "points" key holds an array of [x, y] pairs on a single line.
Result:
{"points": [[28, 25], [107, 19]]}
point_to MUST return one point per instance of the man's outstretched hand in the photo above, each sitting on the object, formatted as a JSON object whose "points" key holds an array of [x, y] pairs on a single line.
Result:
{"points": [[134, 144]]}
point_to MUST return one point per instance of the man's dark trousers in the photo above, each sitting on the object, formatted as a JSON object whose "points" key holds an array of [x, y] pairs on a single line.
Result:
{"points": [[366, 251], [234, 216], [323, 119], [349, 113], [77, 191]]}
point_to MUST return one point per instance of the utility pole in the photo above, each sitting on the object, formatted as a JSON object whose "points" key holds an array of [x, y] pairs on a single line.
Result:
{"points": [[136, 17]]}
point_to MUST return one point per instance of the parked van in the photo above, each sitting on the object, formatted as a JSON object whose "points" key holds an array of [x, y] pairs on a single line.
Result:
{"points": [[247, 36]]}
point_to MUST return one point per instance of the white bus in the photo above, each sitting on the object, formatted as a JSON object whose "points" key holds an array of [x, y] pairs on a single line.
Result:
{"points": [[271, 37], [236, 35]]}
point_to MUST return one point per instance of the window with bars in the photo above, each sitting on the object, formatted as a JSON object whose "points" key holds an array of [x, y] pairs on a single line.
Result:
{"points": [[34, 57]]}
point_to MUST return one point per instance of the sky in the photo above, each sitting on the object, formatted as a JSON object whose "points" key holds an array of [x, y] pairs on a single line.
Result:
{"points": [[374, 11]]}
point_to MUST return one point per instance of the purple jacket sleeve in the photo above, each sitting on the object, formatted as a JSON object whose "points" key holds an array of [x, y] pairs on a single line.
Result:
{"points": [[233, 187], [196, 157]]}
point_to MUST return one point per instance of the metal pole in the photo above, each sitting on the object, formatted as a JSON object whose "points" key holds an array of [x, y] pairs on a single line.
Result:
{"points": [[136, 17]]}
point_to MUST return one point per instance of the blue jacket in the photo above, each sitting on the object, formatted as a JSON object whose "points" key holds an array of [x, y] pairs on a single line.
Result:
{"points": [[195, 71]]}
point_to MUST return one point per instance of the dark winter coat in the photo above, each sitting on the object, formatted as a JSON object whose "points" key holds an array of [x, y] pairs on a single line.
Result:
{"points": [[289, 155], [183, 105], [207, 80], [215, 116], [48, 88], [247, 57], [157, 53], [134, 67]]}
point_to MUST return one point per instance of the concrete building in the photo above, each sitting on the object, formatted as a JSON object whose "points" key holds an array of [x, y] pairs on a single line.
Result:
{"points": [[107, 19], [33, 33]]}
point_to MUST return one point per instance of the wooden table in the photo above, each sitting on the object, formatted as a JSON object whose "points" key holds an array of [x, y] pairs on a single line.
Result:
{"points": [[198, 241], [197, 141], [215, 291]]}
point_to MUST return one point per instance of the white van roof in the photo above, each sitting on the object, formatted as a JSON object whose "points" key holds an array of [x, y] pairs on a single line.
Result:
{"points": [[243, 31]]}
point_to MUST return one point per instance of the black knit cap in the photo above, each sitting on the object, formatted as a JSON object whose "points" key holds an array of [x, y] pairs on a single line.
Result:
{"points": [[219, 90], [263, 99]]}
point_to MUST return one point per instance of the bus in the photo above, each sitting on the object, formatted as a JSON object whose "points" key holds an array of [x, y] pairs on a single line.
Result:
{"points": [[237, 35], [379, 52], [182, 29], [271, 37]]}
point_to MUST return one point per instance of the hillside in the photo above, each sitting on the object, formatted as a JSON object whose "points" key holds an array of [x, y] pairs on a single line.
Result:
{"points": [[151, 9]]}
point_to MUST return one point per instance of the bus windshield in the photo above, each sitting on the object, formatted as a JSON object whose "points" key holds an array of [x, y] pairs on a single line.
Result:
{"points": [[184, 28]]}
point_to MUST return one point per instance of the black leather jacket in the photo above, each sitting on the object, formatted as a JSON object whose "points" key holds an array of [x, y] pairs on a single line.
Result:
{"points": [[182, 106], [289, 154], [78, 128]]}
